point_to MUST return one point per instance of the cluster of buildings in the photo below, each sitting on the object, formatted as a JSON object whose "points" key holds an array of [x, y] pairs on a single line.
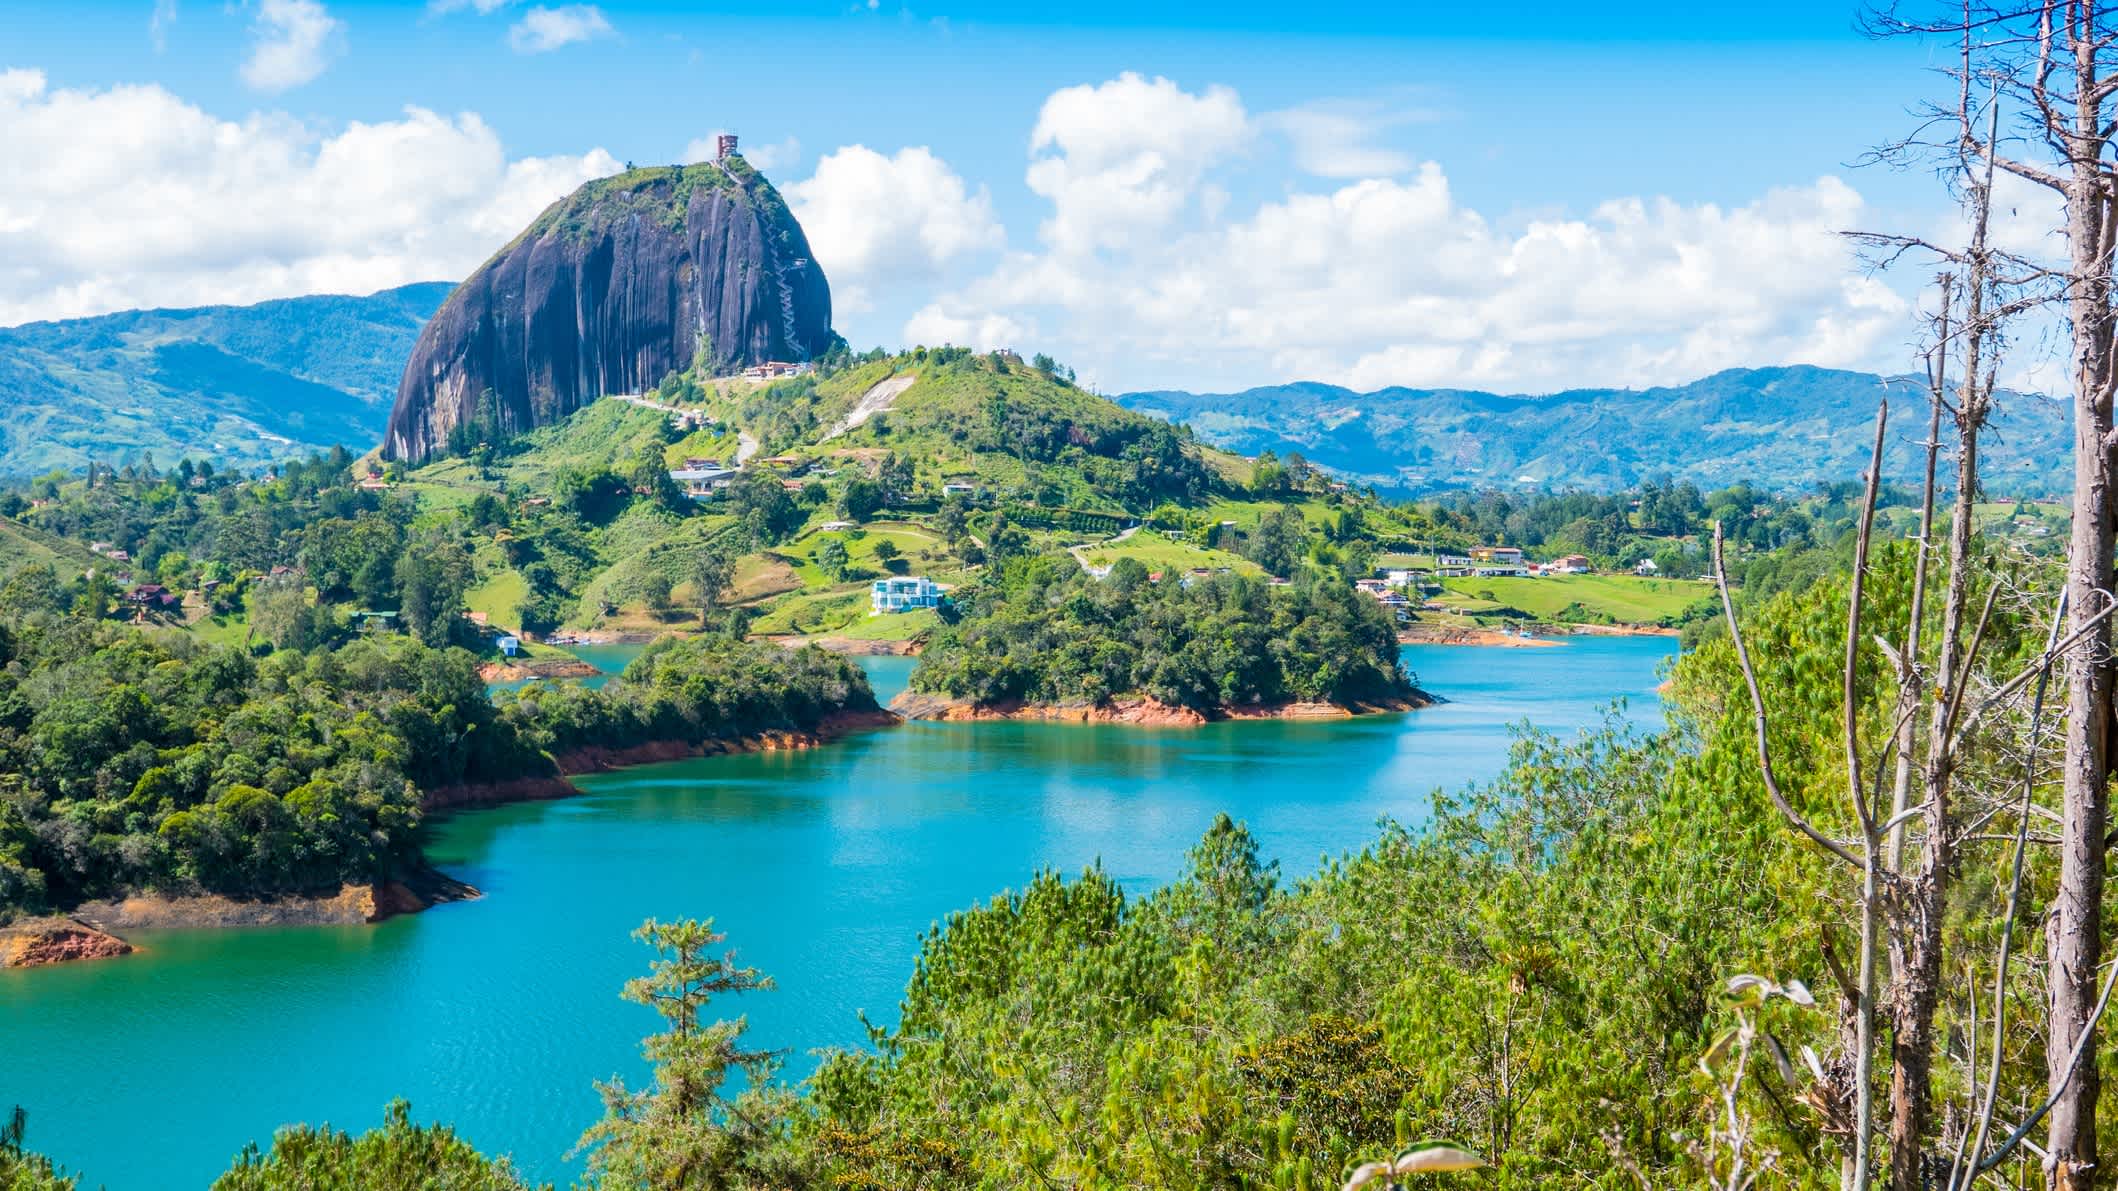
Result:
{"points": [[1506, 561], [1390, 587]]}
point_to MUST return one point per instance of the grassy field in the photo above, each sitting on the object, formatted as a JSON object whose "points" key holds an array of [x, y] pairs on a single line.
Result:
{"points": [[891, 626], [1158, 553], [1624, 598], [498, 597]]}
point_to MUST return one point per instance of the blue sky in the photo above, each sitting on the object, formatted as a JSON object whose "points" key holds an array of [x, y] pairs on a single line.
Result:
{"points": [[1335, 127]]}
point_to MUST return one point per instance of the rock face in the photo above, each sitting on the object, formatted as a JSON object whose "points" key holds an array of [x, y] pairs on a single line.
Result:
{"points": [[612, 288]]}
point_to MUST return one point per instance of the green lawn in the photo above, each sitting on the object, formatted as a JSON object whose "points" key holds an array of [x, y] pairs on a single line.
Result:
{"points": [[1158, 553], [498, 597], [1625, 598], [810, 612], [891, 626]]}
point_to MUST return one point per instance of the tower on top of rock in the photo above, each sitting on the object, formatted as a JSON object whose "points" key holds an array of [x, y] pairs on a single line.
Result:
{"points": [[724, 146]]}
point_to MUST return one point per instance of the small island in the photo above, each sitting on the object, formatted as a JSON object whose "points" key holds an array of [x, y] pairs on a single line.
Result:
{"points": [[1045, 638]]}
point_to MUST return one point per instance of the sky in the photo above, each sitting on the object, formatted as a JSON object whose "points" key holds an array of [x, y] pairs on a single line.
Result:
{"points": [[1522, 198]]}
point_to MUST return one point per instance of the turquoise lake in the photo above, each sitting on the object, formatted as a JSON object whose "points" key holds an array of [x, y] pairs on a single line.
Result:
{"points": [[823, 866]]}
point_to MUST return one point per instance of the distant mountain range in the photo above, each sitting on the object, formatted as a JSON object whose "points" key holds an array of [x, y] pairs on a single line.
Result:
{"points": [[248, 385], [241, 385], [1777, 427]]}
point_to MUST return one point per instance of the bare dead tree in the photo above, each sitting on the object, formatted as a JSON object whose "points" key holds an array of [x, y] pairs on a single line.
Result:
{"points": [[2056, 61]]}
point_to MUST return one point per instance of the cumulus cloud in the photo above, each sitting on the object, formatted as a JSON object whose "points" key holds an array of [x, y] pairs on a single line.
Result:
{"points": [[132, 197], [481, 7], [292, 41], [1119, 161], [542, 29], [1392, 280], [896, 221]]}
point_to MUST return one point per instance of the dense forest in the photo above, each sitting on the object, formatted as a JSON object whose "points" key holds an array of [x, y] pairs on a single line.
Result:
{"points": [[144, 760], [1042, 630]]}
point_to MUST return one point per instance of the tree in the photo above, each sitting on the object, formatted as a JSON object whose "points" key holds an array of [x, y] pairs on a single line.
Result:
{"points": [[885, 552], [832, 558], [431, 579], [710, 572], [400, 1156], [1279, 542], [953, 520], [860, 499], [280, 614], [685, 1131], [654, 586], [2055, 66]]}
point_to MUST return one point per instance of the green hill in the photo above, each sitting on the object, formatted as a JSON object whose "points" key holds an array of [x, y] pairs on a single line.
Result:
{"points": [[242, 385], [928, 463], [1782, 429]]}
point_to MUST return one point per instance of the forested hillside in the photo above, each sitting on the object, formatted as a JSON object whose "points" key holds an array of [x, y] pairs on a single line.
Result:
{"points": [[1780, 429], [241, 385]]}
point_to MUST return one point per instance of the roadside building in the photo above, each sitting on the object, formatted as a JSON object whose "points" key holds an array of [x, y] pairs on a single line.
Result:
{"points": [[701, 483]]}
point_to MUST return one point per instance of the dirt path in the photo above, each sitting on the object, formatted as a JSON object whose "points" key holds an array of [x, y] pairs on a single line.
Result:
{"points": [[746, 445], [874, 401], [1080, 557]]}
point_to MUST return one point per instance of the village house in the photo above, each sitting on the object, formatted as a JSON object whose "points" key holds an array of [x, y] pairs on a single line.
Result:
{"points": [[959, 488], [775, 370], [1645, 566], [1502, 555], [153, 596], [904, 594], [1572, 564], [701, 483]]}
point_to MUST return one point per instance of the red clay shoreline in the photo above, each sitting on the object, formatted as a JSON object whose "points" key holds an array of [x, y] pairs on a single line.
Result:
{"points": [[89, 931], [1137, 711]]}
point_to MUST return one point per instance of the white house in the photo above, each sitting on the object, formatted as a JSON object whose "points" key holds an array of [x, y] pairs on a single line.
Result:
{"points": [[509, 645], [959, 488], [903, 595], [1645, 566], [700, 483]]}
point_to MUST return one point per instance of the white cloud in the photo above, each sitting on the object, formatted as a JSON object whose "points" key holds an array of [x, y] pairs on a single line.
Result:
{"points": [[132, 197], [879, 222], [542, 29], [1129, 157], [1391, 280], [291, 43], [165, 15], [481, 7], [1335, 138]]}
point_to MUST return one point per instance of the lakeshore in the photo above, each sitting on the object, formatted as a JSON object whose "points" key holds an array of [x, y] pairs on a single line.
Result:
{"points": [[825, 865]]}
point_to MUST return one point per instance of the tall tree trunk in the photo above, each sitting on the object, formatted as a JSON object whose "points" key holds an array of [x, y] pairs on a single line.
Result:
{"points": [[2074, 932]]}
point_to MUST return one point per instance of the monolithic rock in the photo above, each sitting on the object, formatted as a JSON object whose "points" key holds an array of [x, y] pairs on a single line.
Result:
{"points": [[614, 287]]}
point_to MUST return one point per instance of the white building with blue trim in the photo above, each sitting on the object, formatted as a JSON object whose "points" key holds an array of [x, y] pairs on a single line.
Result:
{"points": [[904, 594]]}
